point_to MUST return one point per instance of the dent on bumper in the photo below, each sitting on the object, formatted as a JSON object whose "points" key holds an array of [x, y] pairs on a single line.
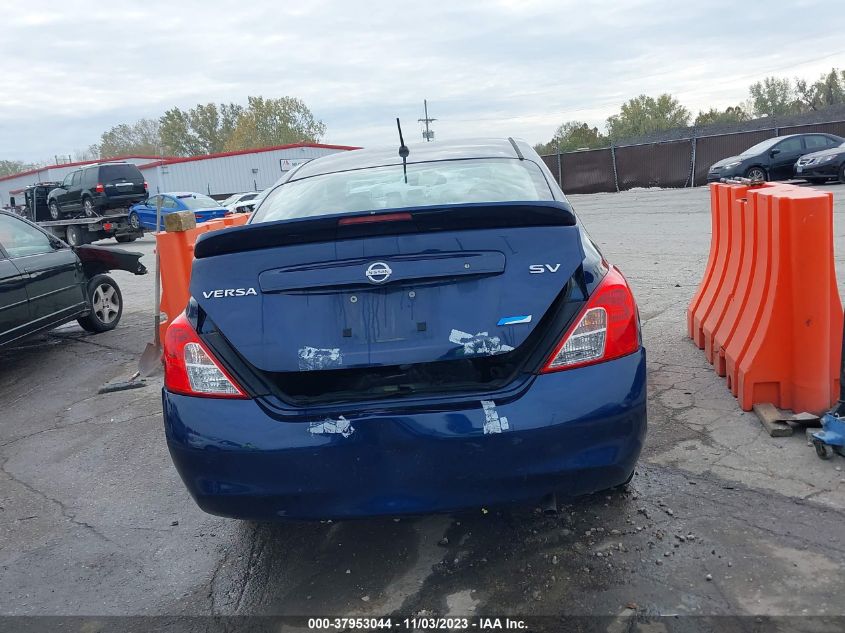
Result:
{"points": [[573, 432]]}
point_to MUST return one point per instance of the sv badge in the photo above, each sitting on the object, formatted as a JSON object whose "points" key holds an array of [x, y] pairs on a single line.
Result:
{"points": [[537, 269]]}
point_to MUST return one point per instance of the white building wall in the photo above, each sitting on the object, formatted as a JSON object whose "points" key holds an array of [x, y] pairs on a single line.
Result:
{"points": [[229, 174]]}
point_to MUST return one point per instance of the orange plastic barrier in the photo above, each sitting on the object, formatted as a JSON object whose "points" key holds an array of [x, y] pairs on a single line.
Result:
{"points": [[176, 255], [767, 312]]}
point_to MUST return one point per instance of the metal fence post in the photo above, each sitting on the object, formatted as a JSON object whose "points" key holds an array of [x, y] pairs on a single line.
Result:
{"points": [[692, 161], [615, 174], [559, 169]]}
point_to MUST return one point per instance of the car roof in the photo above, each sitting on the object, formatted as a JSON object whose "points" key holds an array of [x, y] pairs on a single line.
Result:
{"points": [[182, 194], [419, 152], [110, 162], [828, 134]]}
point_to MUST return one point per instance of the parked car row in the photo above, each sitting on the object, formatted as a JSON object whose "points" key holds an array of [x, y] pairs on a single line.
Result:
{"points": [[814, 157]]}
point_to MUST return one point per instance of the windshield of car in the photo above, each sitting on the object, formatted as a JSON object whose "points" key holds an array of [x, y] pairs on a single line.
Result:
{"points": [[235, 197], [761, 146], [197, 201], [430, 183]]}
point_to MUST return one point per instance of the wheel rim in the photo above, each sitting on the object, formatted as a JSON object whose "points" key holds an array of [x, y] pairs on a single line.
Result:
{"points": [[133, 221], [756, 174], [73, 237], [105, 303], [54, 211], [89, 208]]}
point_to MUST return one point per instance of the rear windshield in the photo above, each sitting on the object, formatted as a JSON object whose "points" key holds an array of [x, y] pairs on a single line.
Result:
{"points": [[109, 173], [198, 201], [429, 184]]}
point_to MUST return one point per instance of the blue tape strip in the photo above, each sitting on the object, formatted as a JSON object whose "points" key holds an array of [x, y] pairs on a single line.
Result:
{"points": [[514, 320]]}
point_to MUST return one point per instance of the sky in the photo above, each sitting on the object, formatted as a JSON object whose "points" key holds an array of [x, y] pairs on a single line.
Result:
{"points": [[72, 69]]}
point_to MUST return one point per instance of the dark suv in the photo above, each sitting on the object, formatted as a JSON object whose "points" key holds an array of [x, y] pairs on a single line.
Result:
{"points": [[96, 189]]}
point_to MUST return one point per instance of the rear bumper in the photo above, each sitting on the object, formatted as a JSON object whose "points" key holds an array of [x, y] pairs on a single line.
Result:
{"points": [[205, 216], [117, 201], [573, 432]]}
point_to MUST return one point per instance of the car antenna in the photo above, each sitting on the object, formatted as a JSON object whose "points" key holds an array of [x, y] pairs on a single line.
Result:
{"points": [[403, 151]]}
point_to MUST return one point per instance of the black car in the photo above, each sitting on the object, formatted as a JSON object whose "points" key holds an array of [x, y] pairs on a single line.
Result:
{"points": [[93, 190], [45, 283], [772, 159], [819, 167]]}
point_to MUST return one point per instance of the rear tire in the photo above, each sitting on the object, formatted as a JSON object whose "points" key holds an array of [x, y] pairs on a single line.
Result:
{"points": [[88, 207], [55, 212], [134, 221], [842, 173], [75, 236], [756, 173], [125, 239], [106, 303]]}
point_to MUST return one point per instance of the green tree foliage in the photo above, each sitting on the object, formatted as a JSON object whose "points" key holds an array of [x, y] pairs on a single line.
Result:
{"points": [[644, 114], [204, 129], [573, 135], [827, 91], [773, 96], [9, 167], [731, 114], [266, 122], [141, 137]]}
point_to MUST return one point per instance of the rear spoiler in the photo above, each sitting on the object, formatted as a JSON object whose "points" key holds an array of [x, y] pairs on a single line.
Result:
{"points": [[328, 228]]}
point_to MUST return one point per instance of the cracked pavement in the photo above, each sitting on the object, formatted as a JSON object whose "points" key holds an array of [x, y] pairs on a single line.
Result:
{"points": [[720, 518]]}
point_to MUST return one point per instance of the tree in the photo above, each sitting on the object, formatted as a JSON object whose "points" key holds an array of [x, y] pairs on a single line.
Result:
{"points": [[266, 122], [828, 90], [773, 96], [9, 167], [644, 114], [731, 114], [92, 153], [204, 129], [573, 135], [141, 137]]}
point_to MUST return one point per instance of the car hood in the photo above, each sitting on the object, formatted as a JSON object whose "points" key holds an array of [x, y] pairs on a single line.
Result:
{"points": [[833, 151], [728, 160]]}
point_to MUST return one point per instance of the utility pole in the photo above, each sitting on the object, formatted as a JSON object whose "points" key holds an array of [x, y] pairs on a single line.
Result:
{"points": [[428, 134]]}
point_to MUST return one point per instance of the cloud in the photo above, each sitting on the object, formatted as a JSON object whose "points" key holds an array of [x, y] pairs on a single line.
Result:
{"points": [[503, 67]]}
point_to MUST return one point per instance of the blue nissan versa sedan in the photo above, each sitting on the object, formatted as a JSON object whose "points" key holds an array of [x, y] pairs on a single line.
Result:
{"points": [[389, 339]]}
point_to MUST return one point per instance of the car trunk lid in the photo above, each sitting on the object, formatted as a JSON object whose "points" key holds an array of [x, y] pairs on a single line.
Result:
{"points": [[449, 284]]}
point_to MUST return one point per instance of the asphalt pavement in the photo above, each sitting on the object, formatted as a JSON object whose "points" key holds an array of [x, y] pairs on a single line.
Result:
{"points": [[721, 519]]}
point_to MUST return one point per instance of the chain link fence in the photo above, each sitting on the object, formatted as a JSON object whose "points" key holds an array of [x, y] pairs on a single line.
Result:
{"points": [[676, 163]]}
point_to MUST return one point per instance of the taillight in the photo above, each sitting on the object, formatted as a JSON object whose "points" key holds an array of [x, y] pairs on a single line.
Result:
{"points": [[373, 219], [99, 188], [190, 369], [146, 186], [608, 327]]}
